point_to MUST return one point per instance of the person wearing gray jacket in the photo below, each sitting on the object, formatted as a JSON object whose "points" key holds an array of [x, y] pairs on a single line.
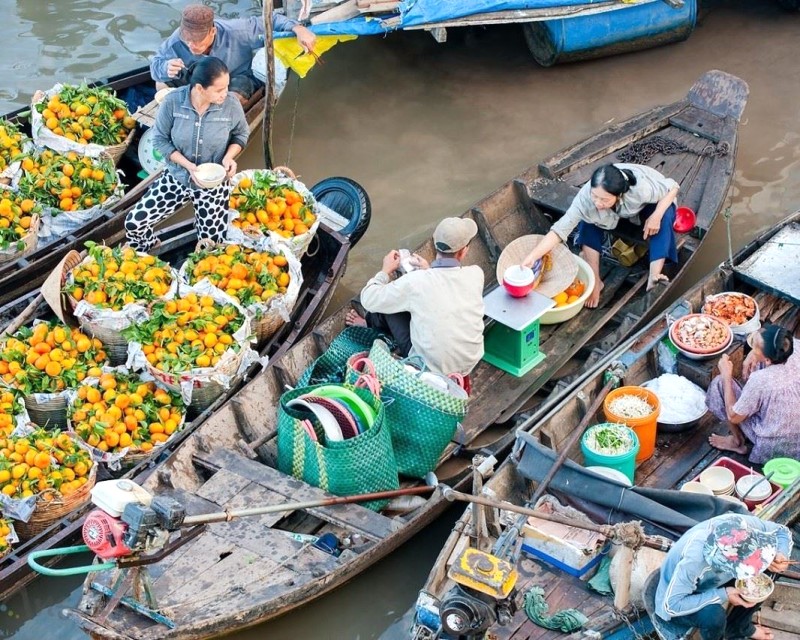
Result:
{"points": [[196, 124]]}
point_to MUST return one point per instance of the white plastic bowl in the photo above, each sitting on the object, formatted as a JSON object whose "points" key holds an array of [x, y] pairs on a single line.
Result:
{"points": [[696, 487], [209, 175], [759, 493], [562, 314], [163, 93], [719, 479], [753, 324]]}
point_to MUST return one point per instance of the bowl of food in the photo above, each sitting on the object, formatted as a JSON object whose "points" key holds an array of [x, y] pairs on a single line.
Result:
{"points": [[699, 336], [755, 589], [519, 281], [567, 310], [210, 175], [738, 310]]}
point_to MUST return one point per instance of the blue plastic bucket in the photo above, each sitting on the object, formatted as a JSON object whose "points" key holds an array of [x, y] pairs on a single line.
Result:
{"points": [[626, 462]]}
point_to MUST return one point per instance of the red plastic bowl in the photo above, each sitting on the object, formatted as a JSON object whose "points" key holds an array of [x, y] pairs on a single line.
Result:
{"points": [[685, 219], [518, 291], [519, 282]]}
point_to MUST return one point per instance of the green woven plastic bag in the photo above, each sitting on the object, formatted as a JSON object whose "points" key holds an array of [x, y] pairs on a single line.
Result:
{"points": [[330, 366], [363, 464], [422, 419]]}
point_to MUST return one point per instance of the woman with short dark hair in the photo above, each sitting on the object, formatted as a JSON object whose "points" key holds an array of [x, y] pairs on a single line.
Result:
{"points": [[631, 195], [195, 124], [762, 413]]}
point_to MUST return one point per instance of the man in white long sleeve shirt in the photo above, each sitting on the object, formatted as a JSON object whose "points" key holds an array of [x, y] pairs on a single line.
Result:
{"points": [[435, 311]]}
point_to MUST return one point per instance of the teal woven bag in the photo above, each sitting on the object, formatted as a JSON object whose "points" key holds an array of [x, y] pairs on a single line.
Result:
{"points": [[330, 366], [421, 418], [362, 464]]}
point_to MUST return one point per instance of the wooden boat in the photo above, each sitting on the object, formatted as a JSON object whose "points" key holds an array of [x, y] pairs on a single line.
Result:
{"points": [[28, 273], [679, 457], [208, 471], [322, 268]]}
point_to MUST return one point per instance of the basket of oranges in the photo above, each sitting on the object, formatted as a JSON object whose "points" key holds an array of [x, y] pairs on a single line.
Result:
{"points": [[19, 225], [123, 418], [269, 205], [8, 536], [13, 143], [265, 283], [87, 120], [110, 289], [44, 476], [44, 361], [13, 413], [194, 344], [72, 189]]}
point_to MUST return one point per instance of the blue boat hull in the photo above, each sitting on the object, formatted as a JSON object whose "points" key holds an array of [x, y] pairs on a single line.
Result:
{"points": [[637, 27]]}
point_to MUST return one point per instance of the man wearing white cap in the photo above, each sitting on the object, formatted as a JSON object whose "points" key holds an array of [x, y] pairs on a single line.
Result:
{"points": [[435, 311]]}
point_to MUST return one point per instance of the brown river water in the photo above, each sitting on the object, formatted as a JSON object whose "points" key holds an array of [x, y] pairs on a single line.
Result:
{"points": [[428, 129]]}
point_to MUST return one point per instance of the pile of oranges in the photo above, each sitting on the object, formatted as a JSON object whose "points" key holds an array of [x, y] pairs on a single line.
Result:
{"points": [[248, 275], [49, 357], [264, 205], [111, 278], [187, 333], [5, 532], [11, 141], [84, 114], [10, 407], [68, 182], [570, 294], [40, 461], [16, 214], [122, 412]]}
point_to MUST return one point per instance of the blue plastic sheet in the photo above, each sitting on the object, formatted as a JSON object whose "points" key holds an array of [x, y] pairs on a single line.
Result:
{"points": [[418, 12]]}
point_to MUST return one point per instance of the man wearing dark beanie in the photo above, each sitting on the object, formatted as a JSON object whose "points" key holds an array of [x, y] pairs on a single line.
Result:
{"points": [[232, 41]]}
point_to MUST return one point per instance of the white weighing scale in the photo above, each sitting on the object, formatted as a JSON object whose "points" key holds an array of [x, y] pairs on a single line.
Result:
{"points": [[511, 342]]}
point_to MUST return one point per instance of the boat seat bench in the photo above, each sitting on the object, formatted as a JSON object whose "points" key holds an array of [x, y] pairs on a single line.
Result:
{"points": [[370, 524]]}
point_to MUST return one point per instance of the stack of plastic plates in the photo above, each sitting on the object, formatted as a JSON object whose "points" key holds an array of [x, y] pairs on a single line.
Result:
{"points": [[720, 480]]}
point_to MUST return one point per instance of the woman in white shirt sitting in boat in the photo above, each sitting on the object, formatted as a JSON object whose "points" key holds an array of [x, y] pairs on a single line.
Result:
{"points": [[618, 196]]}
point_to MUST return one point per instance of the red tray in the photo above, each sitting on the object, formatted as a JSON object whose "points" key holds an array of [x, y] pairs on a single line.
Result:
{"points": [[740, 470]]}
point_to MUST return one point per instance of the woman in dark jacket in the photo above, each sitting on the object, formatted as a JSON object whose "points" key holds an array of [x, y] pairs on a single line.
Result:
{"points": [[198, 123]]}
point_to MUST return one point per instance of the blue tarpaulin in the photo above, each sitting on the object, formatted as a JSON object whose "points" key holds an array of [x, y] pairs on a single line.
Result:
{"points": [[414, 13]]}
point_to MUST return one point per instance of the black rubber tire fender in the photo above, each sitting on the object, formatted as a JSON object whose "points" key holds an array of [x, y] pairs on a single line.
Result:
{"points": [[350, 200]]}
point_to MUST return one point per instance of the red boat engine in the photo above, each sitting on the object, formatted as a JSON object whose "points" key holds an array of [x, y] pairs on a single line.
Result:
{"points": [[104, 535]]}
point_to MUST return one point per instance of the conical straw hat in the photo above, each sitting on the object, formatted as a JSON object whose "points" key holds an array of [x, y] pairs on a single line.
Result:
{"points": [[562, 271]]}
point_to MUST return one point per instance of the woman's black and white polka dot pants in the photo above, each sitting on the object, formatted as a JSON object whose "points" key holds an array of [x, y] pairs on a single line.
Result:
{"points": [[164, 197]]}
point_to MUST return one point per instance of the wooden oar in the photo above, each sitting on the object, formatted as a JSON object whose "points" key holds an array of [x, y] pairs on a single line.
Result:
{"points": [[269, 98]]}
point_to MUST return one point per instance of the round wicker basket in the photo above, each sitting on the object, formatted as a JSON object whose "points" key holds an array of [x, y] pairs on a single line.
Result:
{"points": [[204, 391], [48, 512], [29, 242], [118, 150], [51, 414]]}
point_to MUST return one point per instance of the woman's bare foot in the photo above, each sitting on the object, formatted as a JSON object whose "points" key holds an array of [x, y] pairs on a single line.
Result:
{"points": [[352, 319], [654, 280], [727, 443], [594, 296], [762, 633]]}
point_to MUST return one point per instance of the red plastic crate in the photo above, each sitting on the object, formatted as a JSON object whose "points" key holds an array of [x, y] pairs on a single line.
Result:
{"points": [[740, 470]]}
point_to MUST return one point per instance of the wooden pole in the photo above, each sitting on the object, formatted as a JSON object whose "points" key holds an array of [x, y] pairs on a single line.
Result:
{"points": [[269, 99], [622, 590], [23, 317]]}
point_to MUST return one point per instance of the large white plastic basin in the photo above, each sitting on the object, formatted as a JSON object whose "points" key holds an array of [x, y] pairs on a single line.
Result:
{"points": [[561, 314]]}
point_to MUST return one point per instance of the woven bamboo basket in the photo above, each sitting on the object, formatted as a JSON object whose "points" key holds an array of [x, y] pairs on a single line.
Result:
{"points": [[204, 392], [29, 241], [118, 150], [51, 414], [48, 512]]}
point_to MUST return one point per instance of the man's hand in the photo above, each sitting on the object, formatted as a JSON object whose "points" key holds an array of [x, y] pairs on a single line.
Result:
{"points": [[725, 367], [779, 564], [750, 364], [736, 599], [174, 67], [651, 226], [419, 262], [305, 37], [230, 166], [391, 262]]}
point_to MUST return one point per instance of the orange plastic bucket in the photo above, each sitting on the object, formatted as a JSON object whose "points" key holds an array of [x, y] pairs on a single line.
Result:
{"points": [[645, 428]]}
